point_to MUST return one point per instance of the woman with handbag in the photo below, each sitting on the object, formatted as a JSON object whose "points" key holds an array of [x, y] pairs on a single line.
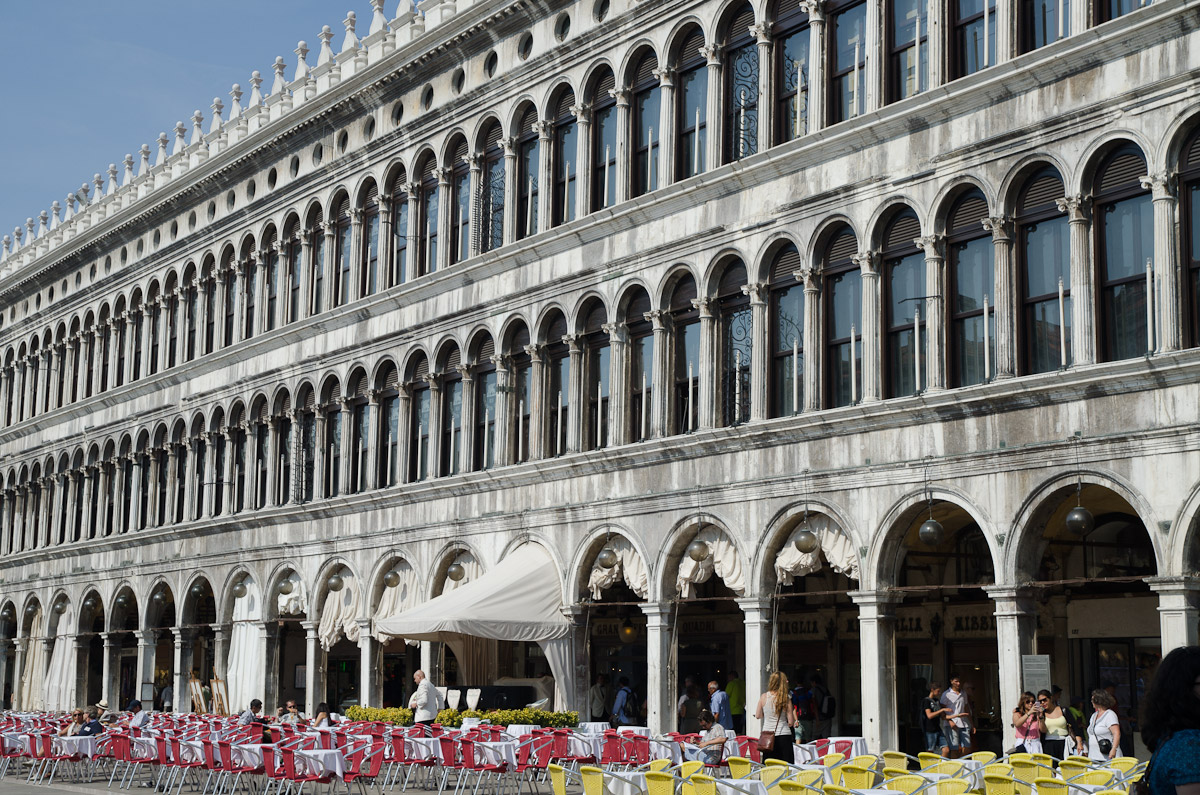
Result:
{"points": [[1104, 729], [1171, 726], [777, 718], [1025, 722]]}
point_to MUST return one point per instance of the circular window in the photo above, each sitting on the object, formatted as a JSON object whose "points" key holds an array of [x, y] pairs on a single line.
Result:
{"points": [[78, 279], [140, 248], [191, 220], [157, 238], [525, 46], [174, 229], [369, 129], [343, 141], [230, 200], [107, 268], [92, 273], [397, 112], [490, 64], [294, 166], [37, 302], [562, 26], [272, 179], [427, 97], [212, 210], [600, 12], [124, 257], [318, 154], [251, 189], [458, 80], [51, 293], [64, 284]]}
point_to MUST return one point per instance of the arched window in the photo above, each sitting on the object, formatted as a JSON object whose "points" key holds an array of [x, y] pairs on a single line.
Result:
{"points": [[1189, 178], [735, 343], [604, 141], [105, 332], [1044, 270], [261, 431], [181, 475], [251, 265], [596, 368], [904, 293], [971, 261], [240, 453], [641, 365], [427, 224], [685, 356], [189, 310], [172, 309], [787, 334], [307, 417], [460, 204], [491, 191], [847, 60], [522, 394], [388, 458], [293, 252], [316, 247], [162, 470], [792, 49], [35, 512], [907, 42], [563, 159], [80, 504], [399, 265], [155, 308], [691, 107], [125, 462], [220, 455], [360, 434], [419, 421], [452, 414], [283, 451], [529, 154], [271, 266], [1041, 22], [741, 86], [645, 134], [200, 476], [1124, 226], [1107, 10], [122, 335], [108, 474], [483, 452], [210, 313], [138, 315], [973, 36], [842, 287], [369, 270], [343, 258], [558, 387], [331, 478], [231, 303]]}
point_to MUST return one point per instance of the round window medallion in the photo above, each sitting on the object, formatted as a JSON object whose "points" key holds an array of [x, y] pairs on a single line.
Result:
{"points": [[397, 112], [294, 166], [369, 129], [230, 200], [318, 154], [427, 98], [525, 46], [562, 26], [600, 11], [272, 179], [343, 142], [491, 63]]}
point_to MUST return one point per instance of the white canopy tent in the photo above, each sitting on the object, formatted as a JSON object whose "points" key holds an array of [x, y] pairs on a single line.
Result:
{"points": [[33, 672], [60, 679], [519, 599], [245, 675]]}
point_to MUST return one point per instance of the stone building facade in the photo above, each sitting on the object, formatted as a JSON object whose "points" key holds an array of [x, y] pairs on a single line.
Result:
{"points": [[623, 275]]}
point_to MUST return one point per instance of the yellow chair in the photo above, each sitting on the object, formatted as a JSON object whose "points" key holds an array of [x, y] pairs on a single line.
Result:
{"points": [[771, 775], [1027, 770], [1043, 759], [836, 789], [856, 777], [704, 784], [659, 783], [926, 759], [1077, 758], [1124, 763], [947, 767], [739, 766], [1072, 767], [809, 778], [998, 769], [905, 782], [658, 765], [890, 773], [689, 767], [593, 780], [865, 760], [951, 786], [1004, 785], [982, 757], [558, 778], [1101, 776], [789, 787], [896, 759], [832, 760]]}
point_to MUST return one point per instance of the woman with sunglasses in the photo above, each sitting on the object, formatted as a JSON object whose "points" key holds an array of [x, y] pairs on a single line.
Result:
{"points": [[1056, 729], [1025, 721]]}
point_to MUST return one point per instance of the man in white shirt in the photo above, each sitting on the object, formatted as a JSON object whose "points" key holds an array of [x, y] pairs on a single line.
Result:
{"points": [[956, 724], [250, 715], [598, 698], [137, 716], [426, 701]]}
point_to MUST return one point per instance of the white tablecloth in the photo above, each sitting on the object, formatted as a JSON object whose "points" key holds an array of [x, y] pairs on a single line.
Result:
{"points": [[423, 748], [145, 748], [626, 783], [741, 786], [322, 762], [250, 754], [519, 730], [858, 745], [494, 753], [586, 745], [593, 727], [825, 771], [642, 730], [87, 746], [877, 792]]}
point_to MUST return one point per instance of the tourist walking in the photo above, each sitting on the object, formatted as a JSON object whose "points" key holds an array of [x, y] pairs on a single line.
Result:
{"points": [[598, 698], [1056, 729], [1104, 728], [1171, 724], [956, 723], [623, 704], [777, 719], [425, 701], [1026, 720], [932, 713]]}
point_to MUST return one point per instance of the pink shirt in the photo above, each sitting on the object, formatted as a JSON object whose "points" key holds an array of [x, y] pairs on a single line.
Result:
{"points": [[1029, 729]]}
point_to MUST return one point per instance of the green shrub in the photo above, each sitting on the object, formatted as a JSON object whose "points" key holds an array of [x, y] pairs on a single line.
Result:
{"points": [[399, 716], [402, 716]]}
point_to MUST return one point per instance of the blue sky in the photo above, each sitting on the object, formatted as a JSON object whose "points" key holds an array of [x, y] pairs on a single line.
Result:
{"points": [[88, 81]]}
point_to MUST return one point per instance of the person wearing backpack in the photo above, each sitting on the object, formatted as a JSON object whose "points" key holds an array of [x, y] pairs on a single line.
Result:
{"points": [[803, 704], [825, 707], [623, 704]]}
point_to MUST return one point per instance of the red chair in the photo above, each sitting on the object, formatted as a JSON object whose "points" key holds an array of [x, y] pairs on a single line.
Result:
{"points": [[843, 747], [212, 763], [482, 770], [562, 751], [401, 759], [748, 748], [8, 754], [273, 770], [637, 750], [366, 762], [182, 766], [611, 756], [298, 777], [533, 756], [232, 768], [449, 751]]}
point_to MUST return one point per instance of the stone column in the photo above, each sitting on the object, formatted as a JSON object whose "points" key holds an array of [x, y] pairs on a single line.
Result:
{"points": [[72, 381], [816, 63], [386, 248], [466, 437], [1016, 635], [576, 407], [18, 671], [413, 190], [171, 515], [537, 399], [5, 383], [71, 495], [135, 497], [507, 415], [624, 153], [760, 354], [511, 194], [147, 640], [1006, 32], [270, 634], [766, 98], [444, 219], [714, 103], [228, 503], [757, 612], [660, 387], [211, 475], [1004, 300], [132, 343], [328, 267], [305, 276], [545, 179], [868, 262], [873, 56], [322, 428], [43, 399], [189, 484], [164, 332], [813, 339], [1082, 286], [153, 519], [345, 449], [660, 670], [179, 683], [934, 316], [706, 368], [103, 486], [1167, 304], [220, 650], [358, 286], [1178, 610], [475, 164], [370, 478], [618, 383], [666, 126], [583, 160], [5, 646], [878, 656], [312, 649], [936, 20], [370, 686]]}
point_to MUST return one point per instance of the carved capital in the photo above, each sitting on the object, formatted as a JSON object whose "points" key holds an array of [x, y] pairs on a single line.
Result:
{"points": [[815, 9], [582, 112], [757, 291], [867, 261], [510, 146], [543, 129], [657, 318], [534, 352], [761, 33], [712, 54], [621, 95], [930, 244], [999, 225], [666, 77], [1074, 206], [1161, 184], [617, 332], [703, 305], [573, 342]]}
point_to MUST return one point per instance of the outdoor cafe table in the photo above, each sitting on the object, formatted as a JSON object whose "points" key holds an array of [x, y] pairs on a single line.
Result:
{"points": [[496, 752], [86, 746], [16, 740], [642, 730], [625, 783], [423, 748], [869, 791], [594, 727], [322, 762], [741, 786], [519, 730]]}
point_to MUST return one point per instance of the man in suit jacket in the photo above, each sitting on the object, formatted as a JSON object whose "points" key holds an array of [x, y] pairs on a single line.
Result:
{"points": [[426, 702]]}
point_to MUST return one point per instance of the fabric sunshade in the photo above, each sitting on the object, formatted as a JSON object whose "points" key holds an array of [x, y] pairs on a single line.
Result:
{"points": [[60, 679]]}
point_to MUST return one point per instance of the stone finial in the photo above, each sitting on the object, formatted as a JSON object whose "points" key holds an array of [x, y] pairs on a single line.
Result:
{"points": [[197, 127], [350, 43], [163, 140], [216, 123], [301, 64], [310, 87], [279, 85], [68, 207], [235, 110], [84, 194], [144, 168], [378, 18], [43, 223], [4, 249], [128, 178], [180, 138], [112, 178], [16, 238], [255, 90], [55, 215], [326, 56]]}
